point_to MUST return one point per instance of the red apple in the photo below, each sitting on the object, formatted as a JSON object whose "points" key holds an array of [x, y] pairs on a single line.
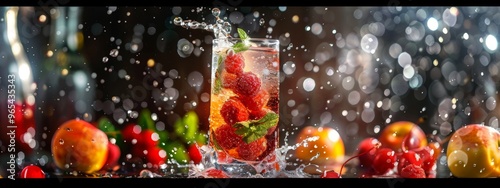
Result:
{"points": [[403, 135], [473, 152]]}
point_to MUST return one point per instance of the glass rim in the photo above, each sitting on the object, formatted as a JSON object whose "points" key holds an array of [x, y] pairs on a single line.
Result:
{"points": [[250, 39]]}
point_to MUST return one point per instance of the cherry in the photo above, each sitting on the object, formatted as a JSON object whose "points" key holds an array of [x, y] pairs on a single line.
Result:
{"points": [[156, 155], [149, 138], [32, 171], [132, 133], [384, 160], [334, 174], [366, 145]]}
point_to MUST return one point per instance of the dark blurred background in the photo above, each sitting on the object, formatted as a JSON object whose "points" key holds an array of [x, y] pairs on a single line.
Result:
{"points": [[356, 69]]}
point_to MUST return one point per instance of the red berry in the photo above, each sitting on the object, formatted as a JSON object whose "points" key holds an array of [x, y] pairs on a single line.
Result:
{"points": [[330, 174], [248, 85], [32, 171], [412, 171], [113, 156], [367, 145], [215, 173], [229, 80], [149, 138], [234, 63], [256, 103], [409, 157], [227, 138], [156, 155], [233, 111], [132, 133], [427, 156], [194, 153], [251, 151], [384, 160]]}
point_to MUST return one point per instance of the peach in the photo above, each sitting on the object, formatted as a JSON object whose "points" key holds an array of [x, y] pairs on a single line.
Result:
{"points": [[79, 145], [324, 147], [394, 134], [472, 152]]}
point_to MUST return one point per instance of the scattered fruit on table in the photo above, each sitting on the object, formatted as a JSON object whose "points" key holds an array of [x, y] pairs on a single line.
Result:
{"points": [[473, 152], [79, 145], [320, 145], [194, 153], [402, 143], [32, 171], [214, 173]]}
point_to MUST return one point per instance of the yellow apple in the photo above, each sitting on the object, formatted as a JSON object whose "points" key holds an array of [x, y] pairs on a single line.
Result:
{"points": [[472, 152], [320, 145]]}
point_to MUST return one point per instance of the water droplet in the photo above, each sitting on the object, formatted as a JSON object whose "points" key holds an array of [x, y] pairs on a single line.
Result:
{"points": [[216, 12], [61, 141], [113, 53], [146, 174]]}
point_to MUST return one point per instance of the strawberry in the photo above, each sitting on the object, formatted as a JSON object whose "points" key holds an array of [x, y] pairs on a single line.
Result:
{"points": [[227, 138], [248, 85], [251, 151], [412, 171], [194, 153], [234, 63], [234, 111]]}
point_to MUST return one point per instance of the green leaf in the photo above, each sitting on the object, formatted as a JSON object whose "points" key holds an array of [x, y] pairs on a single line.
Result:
{"points": [[145, 120], [241, 46], [255, 129], [243, 35], [218, 81], [176, 151], [105, 125], [191, 120], [201, 138]]}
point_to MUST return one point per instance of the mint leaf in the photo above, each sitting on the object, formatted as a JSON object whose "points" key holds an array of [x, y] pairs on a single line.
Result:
{"points": [[218, 81], [255, 129], [243, 35], [241, 46]]}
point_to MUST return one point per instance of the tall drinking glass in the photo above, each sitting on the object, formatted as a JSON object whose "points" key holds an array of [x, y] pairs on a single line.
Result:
{"points": [[244, 105]]}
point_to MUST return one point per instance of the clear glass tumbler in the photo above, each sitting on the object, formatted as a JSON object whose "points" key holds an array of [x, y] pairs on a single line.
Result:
{"points": [[244, 105]]}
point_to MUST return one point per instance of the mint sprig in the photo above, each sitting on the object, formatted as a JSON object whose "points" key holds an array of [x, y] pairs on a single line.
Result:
{"points": [[255, 129], [243, 45]]}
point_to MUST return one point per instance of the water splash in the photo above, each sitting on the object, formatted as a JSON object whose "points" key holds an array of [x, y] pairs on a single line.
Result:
{"points": [[221, 28]]}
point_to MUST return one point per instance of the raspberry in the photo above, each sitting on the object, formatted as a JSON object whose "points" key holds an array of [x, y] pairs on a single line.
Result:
{"points": [[234, 63], [409, 157], [251, 151], [229, 80], [227, 138], [412, 171], [234, 111], [248, 85], [215, 173], [257, 102]]}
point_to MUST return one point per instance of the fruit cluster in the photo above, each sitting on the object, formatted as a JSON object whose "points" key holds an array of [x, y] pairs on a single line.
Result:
{"points": [[144, 141], [247, 130], [402, 150]]}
